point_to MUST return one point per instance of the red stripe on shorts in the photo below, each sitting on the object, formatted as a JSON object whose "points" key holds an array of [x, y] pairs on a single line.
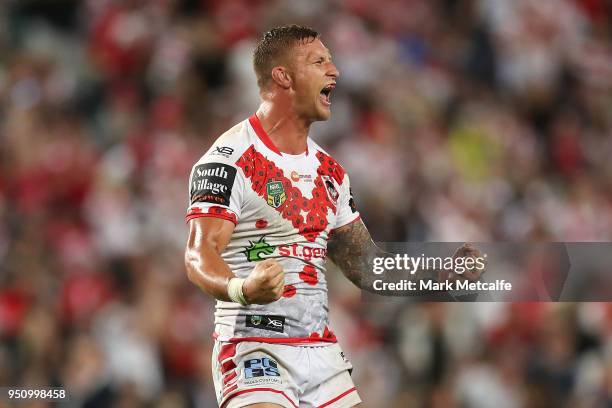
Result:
{"points": [[227, 366], [258, 389], [229, 377], [230, 389], [344, 394], [227, 351], [283, 340]]}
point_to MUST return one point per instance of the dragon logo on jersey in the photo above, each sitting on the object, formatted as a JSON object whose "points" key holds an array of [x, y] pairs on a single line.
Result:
{"points": [[255, 251], [276, 193], [331, 189]]}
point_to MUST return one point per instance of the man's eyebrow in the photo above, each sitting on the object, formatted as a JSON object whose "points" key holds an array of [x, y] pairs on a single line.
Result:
{"points": [[318, 55]]}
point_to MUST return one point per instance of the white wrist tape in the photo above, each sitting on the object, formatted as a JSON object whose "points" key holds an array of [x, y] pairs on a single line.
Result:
{"points": [[234, 291]]}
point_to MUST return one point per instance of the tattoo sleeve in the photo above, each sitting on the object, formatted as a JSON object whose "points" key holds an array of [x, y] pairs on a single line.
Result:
{"points": [[351, 248]]}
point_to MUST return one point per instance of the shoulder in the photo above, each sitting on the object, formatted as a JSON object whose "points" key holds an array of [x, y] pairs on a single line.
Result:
{"points": [[329, 165], [322, 154], [228, 147]]}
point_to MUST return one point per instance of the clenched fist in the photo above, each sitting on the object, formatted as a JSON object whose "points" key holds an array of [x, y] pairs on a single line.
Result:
{"points": [[265, 284]]}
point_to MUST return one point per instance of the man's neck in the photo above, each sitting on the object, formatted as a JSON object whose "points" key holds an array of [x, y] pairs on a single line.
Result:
{"points": [[288, 132]]}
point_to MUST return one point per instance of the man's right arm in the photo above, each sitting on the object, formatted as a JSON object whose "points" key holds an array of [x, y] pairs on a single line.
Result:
{"points": [[208, 237]]}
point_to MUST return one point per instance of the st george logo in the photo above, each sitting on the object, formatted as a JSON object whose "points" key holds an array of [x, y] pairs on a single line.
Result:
{"points": [[276, 193], [255, 251]]}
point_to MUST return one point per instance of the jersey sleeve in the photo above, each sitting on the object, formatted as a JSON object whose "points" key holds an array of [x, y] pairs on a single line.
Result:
{"points": [[346, 211], [216, 186]]}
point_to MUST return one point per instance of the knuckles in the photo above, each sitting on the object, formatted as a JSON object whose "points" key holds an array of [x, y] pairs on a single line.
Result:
{"points": [[266, 282]]}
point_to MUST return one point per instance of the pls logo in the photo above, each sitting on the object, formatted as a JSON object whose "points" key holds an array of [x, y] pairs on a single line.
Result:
{"points": [[261, 367]]}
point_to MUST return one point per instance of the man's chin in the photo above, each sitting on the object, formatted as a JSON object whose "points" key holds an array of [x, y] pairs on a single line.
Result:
{"points": [[323, 114], [319, 114]]}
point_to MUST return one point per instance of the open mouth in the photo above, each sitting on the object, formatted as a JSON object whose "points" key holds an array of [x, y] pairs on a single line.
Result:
{"points": [[326, 94]]}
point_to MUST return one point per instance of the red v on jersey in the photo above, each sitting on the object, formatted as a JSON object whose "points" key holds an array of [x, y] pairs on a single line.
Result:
{"points": [[260, 171], [263, 135]]}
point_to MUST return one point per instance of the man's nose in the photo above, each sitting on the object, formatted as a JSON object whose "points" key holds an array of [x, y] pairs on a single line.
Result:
{"points": [[333, 70]]}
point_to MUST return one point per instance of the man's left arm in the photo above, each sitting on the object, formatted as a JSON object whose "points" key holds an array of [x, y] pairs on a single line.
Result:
{"points": [[351, 248]]}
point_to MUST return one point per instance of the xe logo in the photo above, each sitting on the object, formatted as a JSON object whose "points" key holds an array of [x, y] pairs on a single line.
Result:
{"points": [[274, 323], [266, 322], [260, 367], [224, 150]]}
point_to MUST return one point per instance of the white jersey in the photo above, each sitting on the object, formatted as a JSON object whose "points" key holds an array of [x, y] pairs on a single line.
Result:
{"points": [[284, 207]]}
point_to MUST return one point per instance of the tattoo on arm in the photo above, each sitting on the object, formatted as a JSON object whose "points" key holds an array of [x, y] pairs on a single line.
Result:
{"points": [[351, 248]]}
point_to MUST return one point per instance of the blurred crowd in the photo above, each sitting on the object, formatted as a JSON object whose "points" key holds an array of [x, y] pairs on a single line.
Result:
{"points": [[458, 120]]}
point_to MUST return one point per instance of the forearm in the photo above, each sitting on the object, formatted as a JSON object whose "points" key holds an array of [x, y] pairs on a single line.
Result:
{"points": [[355, 255], [208, 271], [351, 248], [208, 237], [359, 269]]}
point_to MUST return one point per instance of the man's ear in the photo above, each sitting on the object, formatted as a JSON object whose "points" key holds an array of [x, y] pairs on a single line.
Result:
{"points": [[281, 76]]}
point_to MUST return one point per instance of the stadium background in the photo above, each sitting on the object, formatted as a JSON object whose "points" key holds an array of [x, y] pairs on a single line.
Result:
{"points": [[458, 120]]}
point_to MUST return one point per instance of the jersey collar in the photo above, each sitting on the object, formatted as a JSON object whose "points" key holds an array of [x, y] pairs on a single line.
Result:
{"points": [[263, 135]]}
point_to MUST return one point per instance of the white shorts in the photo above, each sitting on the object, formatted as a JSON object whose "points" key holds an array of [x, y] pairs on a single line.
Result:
{"points": [[291, 376]]}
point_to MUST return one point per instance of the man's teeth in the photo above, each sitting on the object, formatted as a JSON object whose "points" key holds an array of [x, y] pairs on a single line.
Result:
{"points": [[326, 92]]}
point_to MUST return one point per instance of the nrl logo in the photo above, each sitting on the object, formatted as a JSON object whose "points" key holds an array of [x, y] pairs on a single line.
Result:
{"points": [[276, 193], [255, 251], [256, 320]]}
